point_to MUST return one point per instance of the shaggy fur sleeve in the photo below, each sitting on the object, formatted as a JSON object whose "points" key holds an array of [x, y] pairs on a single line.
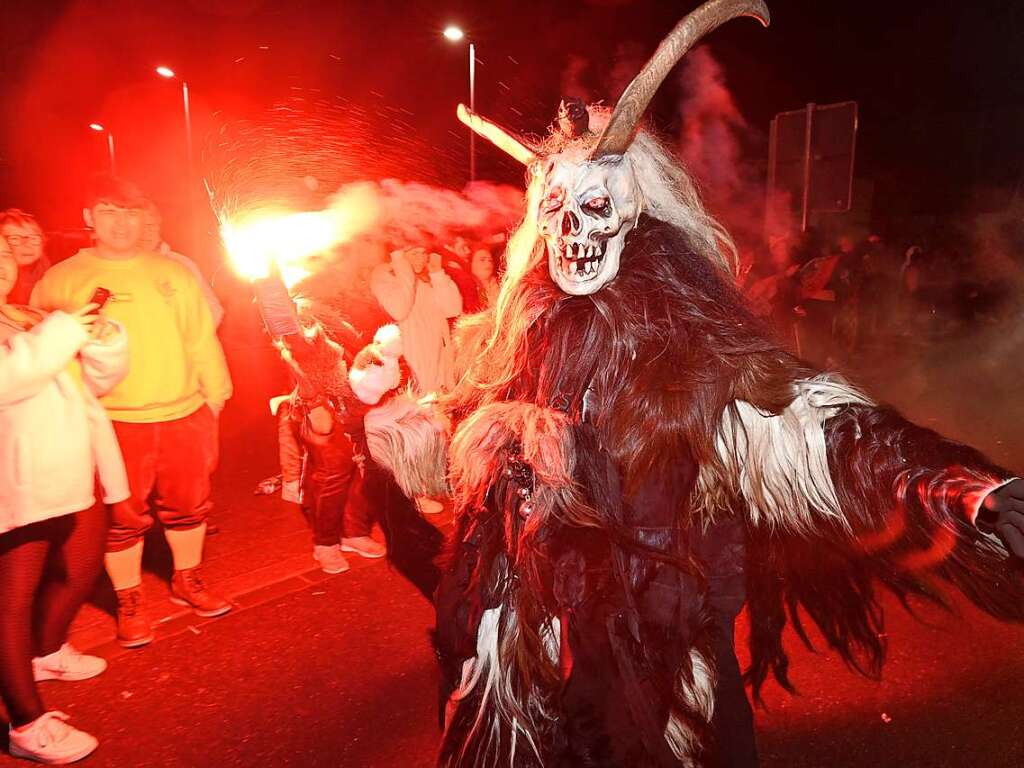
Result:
{"points": [[883, 466], [908, 498]]}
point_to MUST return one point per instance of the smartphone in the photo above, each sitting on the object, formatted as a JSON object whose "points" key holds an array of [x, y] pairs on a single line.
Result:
{"points": [[99, 297]]}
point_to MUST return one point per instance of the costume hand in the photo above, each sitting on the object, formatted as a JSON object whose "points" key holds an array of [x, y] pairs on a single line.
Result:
{"points": [[1002, 513]]}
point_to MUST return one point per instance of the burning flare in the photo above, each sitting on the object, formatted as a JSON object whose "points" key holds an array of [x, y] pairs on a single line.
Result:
{"points": [[262, 241]]}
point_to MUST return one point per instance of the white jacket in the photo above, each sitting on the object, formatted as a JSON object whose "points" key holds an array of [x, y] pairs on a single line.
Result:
{"points": [[422, 310], [55, 437]]}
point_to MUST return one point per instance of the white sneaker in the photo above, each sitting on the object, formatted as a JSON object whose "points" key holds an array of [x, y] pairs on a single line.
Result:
{"points": [[364, 546], [330, 558], [49, 739], [428, 506], [67, 663]]}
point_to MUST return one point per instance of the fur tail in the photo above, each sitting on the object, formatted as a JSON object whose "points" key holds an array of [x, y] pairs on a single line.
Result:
{"points": [[409, 439]]}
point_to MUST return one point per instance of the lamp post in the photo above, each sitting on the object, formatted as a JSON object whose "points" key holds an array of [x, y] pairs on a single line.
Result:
{"points": [[455, 34], [110, 144], [168, 74]]}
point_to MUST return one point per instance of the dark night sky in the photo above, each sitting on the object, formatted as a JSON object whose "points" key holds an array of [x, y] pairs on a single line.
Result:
{"points": [[939, 83]]}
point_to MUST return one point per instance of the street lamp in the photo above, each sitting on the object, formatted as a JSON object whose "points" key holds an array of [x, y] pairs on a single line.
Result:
{"points": [[98, 127], [454, 34], [168, 74]]}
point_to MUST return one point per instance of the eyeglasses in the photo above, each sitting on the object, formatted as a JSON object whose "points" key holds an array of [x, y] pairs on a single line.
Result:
{"points": [[19, 239]]}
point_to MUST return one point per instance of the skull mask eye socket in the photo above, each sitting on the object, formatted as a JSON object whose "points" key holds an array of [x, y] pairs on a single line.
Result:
{"points": [[554, 199], [599, 206]]}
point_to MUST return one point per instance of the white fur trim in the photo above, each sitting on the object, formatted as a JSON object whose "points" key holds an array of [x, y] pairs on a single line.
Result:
{"points": [[389, 337], [497, 700], [371, 383], [408, 439], [779, 462], [700, 697]]}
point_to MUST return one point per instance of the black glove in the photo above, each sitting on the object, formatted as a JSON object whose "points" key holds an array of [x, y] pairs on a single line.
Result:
{"points": [[1002, 513]]}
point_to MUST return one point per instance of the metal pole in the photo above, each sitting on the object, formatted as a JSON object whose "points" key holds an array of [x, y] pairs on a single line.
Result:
{"points": [[188, 123], [191, 173], [472, 106], [110, 147], [808, 124]]}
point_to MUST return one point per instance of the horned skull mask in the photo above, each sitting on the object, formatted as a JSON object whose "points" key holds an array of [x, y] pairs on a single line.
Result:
{"points": [[591, 200], [586, 210]]}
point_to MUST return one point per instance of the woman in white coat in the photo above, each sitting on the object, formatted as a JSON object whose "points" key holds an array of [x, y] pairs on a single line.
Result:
{"points": [[55, 439]]}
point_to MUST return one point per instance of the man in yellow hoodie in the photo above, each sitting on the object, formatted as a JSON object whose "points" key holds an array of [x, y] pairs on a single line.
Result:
{"points": [[165, 408]]}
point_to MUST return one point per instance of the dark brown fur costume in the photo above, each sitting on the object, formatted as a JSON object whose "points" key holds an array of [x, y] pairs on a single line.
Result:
{"points": [[617, 543]]}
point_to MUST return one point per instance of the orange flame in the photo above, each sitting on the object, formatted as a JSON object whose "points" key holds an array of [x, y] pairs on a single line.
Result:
{"points": [[261, 241]]}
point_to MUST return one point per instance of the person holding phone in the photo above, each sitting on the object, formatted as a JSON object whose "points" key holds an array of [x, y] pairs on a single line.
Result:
{"points": [[55, 438], [164, 412]]}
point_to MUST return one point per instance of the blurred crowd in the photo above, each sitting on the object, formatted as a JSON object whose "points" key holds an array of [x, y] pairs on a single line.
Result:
{"points": [[845, 300]]}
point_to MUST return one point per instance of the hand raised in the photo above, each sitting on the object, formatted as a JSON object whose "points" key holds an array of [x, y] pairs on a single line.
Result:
{"points": [[1002, 513]]}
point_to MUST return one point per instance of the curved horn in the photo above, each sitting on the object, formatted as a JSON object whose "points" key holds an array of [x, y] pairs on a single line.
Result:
{"points": [[494, 133], [619, 132]]}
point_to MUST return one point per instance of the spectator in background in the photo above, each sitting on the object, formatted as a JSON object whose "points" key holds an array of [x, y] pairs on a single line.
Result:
{"points": [[417, 293], [469, 289], [164, 412], [482, 267], [415, 290], [153, 241], [54, 440], [26, 240]]}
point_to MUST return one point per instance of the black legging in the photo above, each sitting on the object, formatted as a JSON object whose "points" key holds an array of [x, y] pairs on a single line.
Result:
{"points": [[47, 570]]}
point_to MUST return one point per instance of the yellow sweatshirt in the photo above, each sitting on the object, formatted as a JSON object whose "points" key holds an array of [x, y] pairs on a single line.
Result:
{"points": [[176, 363]]}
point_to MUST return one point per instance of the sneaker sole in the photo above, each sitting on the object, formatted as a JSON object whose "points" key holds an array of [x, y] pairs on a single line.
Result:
{"points": [[199, 612], [361, 553], [137, 643], [66, 677], [329, 571], [74, 757]]}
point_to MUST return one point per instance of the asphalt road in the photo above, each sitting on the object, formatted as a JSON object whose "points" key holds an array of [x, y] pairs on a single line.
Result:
{"points": [[340, 673]]}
